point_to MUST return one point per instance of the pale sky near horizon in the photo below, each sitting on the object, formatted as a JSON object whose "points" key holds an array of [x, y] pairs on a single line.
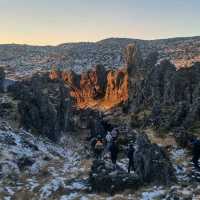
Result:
{"points": [[51, 22]]}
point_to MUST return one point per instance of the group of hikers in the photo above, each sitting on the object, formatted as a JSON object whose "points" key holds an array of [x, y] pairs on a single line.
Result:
{"points": [[106, 143], [109, 146]]}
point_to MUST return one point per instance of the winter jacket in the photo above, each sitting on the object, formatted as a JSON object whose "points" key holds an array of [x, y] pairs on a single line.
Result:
{"points": [[130, 152]]}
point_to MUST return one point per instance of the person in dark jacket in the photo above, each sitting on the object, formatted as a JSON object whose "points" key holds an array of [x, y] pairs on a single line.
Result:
{"points": [[130, 153], [195, 152], [114, 152]]}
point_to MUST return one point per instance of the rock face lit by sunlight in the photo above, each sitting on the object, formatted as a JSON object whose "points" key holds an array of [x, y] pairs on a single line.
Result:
{"points": [[117, 88], [96, 88]]}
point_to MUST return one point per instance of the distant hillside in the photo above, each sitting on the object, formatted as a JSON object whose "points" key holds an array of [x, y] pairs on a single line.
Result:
{"points": [[24, 59]]}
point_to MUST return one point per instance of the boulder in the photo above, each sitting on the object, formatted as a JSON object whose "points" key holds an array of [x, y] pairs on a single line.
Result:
{"points": [[151, 162], [104, 179]]}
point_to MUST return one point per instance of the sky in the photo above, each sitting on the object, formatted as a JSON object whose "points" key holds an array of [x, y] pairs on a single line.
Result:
{"points": [[51, 22]]}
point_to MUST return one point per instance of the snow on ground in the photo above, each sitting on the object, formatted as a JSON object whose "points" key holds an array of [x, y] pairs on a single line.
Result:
{"points": [[181, 162], [51, 187], [35, 168], [35, 164], [153, 194]]}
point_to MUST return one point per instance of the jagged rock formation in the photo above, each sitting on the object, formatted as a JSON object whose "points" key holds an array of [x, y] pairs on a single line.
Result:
{"points": [[117, 88], [96, 88], [44, 105], [174, 92], [134, 64], [151, 162], [179, 90], [170, 96], [133, 58]]}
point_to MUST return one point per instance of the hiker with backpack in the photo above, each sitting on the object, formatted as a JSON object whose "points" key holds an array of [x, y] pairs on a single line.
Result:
{"points": [[98, 148], [130, 155]]}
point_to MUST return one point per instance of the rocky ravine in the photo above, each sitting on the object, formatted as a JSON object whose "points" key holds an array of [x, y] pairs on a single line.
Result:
{"points": [[46, 106]]}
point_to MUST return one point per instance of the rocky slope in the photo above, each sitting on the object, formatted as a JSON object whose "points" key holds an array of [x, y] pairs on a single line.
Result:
{"points": [[21, 60], [32, 167]]}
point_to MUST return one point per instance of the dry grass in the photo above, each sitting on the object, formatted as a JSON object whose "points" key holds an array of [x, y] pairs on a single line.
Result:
{"points": [[195, 129], [154, 137]]}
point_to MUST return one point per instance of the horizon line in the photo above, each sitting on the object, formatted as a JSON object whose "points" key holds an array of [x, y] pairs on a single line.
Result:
{"points": [[96, 41]]}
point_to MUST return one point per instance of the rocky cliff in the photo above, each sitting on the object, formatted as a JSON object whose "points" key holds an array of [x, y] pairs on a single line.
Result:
{"points": [[96, 88], [44, 106]]}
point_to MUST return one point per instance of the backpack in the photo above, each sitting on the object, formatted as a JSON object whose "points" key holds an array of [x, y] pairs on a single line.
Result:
{"points": [[99, 145]]}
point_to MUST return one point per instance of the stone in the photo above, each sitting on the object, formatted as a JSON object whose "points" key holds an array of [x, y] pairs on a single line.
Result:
{"points": [[104, 179], [151, 162]]}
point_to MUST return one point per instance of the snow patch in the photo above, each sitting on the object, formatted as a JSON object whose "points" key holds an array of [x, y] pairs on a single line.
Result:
{"points": [[152, 195], [53, 186]]}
